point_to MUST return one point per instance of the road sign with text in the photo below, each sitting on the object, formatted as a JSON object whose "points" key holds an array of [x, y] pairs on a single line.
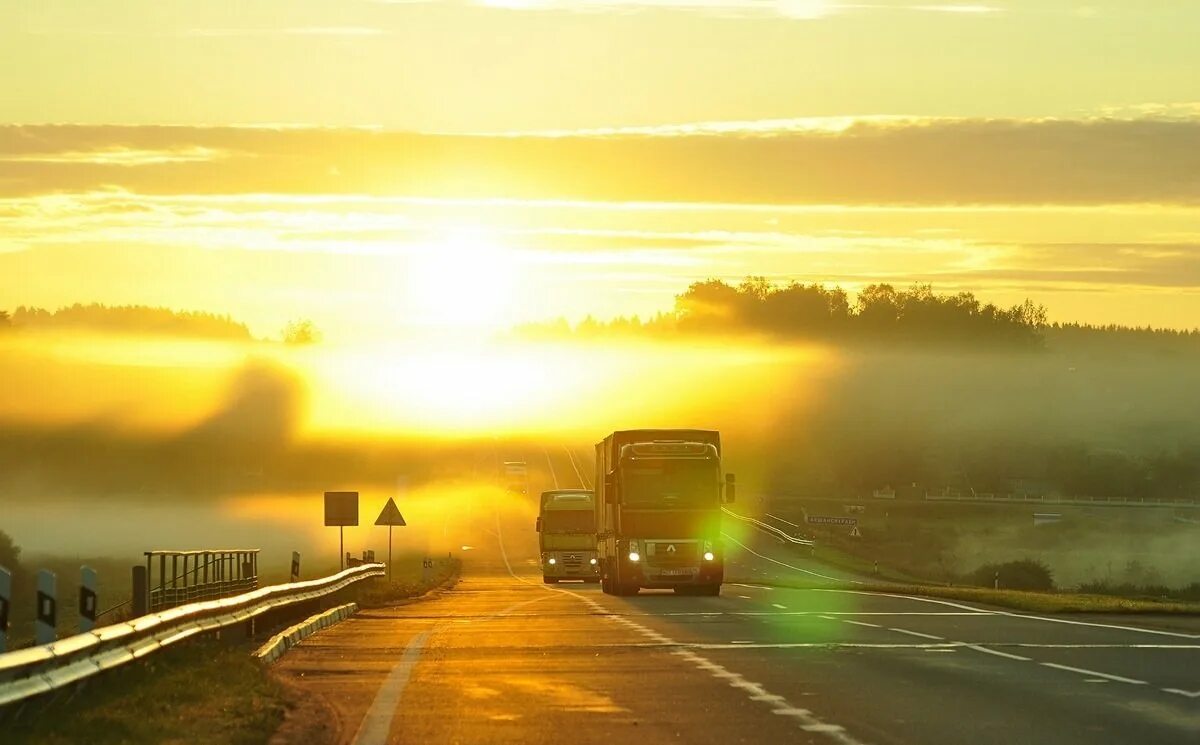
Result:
{"points": [[829, 520]]}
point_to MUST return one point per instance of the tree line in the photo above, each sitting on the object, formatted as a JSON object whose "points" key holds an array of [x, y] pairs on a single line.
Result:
{"points": [[879, 313], [128, 319]]}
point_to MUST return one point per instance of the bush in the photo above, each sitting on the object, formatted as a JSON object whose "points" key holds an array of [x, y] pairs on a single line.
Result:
{"points": [[1025, 574]]}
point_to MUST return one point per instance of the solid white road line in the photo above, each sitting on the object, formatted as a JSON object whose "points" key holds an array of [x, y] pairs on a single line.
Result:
{"points": [[1093, 673], [377, 723], [917, 633], [1010, 614], [998, 653], [1189, 694]]}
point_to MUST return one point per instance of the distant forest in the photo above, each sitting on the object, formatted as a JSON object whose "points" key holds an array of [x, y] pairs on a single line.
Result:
{"points": [[881, 312], [127, 319]]}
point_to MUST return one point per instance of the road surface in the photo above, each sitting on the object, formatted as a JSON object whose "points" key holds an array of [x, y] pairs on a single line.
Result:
{"points": [[502, 658]]}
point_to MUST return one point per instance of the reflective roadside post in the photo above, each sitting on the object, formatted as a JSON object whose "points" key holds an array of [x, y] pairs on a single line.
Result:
{"points": [[87, 599], [5, 604], [295, 574], [45, 624]]}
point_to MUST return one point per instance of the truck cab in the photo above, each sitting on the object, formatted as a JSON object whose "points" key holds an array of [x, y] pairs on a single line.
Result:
{"points": [[658, 511], [566, 526]]}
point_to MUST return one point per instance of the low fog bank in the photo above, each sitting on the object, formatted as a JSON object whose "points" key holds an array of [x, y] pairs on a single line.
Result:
{"points": [[178, 439]]}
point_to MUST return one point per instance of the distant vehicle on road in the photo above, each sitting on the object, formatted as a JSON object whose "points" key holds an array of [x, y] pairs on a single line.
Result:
{"points": [[658, 511], [515, 476], [566, 526]]}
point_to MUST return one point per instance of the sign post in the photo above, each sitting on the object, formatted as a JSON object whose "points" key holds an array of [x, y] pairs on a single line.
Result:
{"points": [[389, 516], [341, 509]]}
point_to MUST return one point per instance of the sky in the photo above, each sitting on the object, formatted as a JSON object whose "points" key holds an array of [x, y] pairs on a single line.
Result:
{"points": [[378, 165]]}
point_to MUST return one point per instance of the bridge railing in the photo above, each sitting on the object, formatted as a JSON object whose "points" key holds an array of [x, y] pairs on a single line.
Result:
{"points": [[34, 671]]}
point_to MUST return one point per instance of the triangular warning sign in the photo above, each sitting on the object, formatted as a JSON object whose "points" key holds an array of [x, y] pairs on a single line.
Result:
{"points": [[390, 514]]}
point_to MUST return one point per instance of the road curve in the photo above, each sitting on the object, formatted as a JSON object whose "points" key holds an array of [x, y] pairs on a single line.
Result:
{"points": [[503, 658]]}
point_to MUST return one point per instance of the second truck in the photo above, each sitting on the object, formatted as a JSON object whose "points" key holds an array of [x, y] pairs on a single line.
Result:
{"points": [[658, 503]]}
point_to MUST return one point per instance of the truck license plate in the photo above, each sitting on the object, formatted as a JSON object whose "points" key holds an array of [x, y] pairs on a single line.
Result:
{"points": [[686, 571]]}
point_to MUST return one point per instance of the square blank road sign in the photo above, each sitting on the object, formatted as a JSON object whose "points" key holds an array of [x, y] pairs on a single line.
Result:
{"points": [[341, 508]]}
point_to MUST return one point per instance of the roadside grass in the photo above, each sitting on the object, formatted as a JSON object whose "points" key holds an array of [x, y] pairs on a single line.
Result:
{"points": [[204, 692], [381, 592], [1043, 602], [835, 557]]}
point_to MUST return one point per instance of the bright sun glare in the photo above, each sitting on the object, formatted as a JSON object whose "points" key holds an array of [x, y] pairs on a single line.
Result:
{"points": [[465, 279]]}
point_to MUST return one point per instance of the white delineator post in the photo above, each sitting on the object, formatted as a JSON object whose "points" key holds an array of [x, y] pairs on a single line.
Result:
{"points": [[45, 624]]}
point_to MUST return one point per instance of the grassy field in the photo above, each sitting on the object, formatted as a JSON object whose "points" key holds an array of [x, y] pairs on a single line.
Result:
{"points": [[1044, 602], [202, 693]]}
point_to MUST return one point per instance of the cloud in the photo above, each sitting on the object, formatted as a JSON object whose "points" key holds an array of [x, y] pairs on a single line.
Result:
{"points": [[120, 156], [792, 9], [351, 31], [898, 162]]}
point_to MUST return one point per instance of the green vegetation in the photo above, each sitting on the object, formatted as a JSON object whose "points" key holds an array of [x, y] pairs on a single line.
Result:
{"points": [[381, 592], [301, 332], [130, 319], [202, 692], [880, 313], [1041, 602], [1022, 574]]}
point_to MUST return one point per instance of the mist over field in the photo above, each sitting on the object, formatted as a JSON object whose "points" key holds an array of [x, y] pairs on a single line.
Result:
{"points": [[197, 440]]}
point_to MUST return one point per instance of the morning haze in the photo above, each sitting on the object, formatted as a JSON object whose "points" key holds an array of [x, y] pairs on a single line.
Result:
{"points": [[740, 370]]}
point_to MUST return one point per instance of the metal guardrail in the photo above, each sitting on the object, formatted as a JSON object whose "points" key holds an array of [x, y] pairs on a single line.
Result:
{"points": [[1049, 499], [34, 671], [784, 535]]}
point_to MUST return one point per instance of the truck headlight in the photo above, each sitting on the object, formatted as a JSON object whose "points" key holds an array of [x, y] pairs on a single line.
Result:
{"points": [[592, 562], [551, 560], [708, 556], [635, 556]]}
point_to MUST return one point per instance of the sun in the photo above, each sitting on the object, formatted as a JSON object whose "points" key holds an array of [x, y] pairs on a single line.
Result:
{"points": [[463, 279]]}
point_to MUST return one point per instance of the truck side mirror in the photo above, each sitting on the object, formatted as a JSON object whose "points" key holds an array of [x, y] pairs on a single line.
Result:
{"points": [[538, 525], [730, 488], [610, 487]]}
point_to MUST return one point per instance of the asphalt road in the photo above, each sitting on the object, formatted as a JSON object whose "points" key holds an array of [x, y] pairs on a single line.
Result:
{"points": [[503, 658]]}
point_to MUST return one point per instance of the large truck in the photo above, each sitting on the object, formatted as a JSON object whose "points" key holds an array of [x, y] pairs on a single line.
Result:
{"points": [[658, 511], [566, 527]]}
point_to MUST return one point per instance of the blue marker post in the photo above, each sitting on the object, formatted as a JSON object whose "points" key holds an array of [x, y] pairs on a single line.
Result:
{"points": [[45, 625], [87, 599], [5, 604]]}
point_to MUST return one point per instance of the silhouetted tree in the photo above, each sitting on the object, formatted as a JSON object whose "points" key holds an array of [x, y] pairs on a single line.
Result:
{"points": [[10, 553], [301, 332]]}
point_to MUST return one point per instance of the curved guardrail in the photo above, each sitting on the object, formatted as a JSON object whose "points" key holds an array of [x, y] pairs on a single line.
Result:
{"points": [[781, 534], [31, 672]]}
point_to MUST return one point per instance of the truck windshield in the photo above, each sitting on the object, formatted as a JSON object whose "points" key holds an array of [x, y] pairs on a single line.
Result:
{"points": [[569, 521], [666, 483]]}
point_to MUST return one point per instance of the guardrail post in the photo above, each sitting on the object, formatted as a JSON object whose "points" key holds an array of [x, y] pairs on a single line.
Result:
{"points": [[87, 599], [295, 575], [45, 625], [5, 604], [141, 590]]}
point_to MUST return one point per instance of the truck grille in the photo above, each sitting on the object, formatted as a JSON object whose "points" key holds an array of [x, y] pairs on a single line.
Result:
{"points": [[571, 560], [685, 554]]}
